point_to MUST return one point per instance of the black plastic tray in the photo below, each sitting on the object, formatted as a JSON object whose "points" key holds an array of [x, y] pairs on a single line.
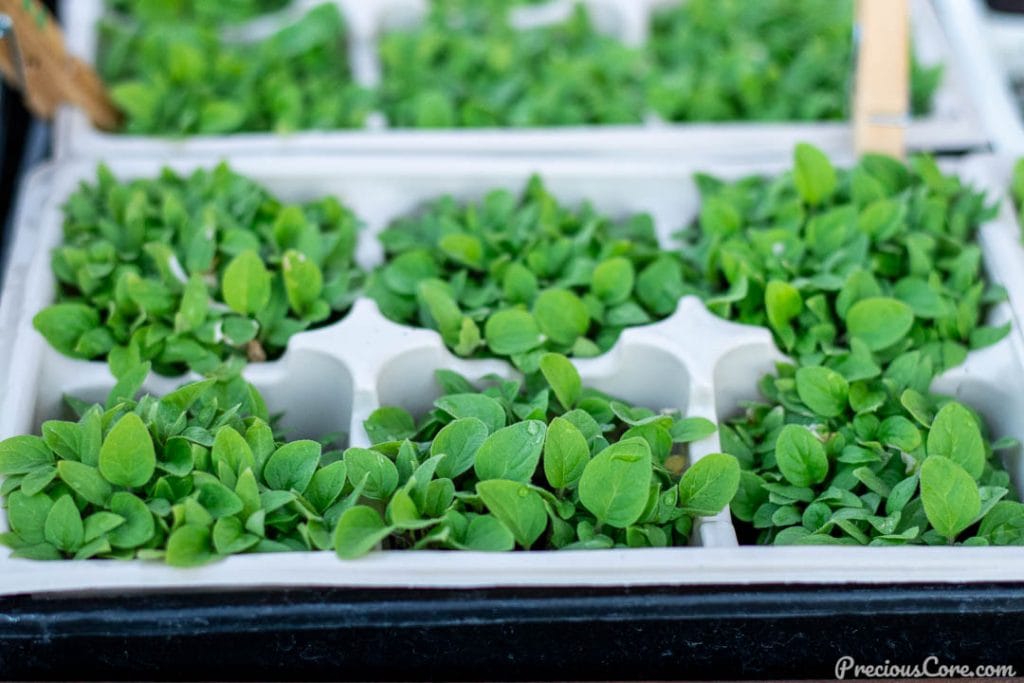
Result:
{"points": [[710, 633]]}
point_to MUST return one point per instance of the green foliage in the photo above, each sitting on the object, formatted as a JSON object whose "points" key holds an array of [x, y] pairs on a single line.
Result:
{"points": [[518, 277], [187, 478], [466, 66], [187, 271], [211, 11], [770, 60], [176, 77], [876, 262], [544, 475], [871, 279]]}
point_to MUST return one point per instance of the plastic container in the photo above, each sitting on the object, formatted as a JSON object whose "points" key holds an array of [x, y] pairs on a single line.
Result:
{"points": [[990, 63], [332, 378], [953, 125]]}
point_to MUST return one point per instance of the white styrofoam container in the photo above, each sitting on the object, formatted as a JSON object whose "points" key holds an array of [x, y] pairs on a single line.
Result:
{"points": [[953, 125], [989, 62], [332, 378]]}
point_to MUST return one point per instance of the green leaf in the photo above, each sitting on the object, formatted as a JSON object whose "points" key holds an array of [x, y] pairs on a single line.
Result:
{"points": [[512, 452], [127, 457], [512, 331], [483, 408], [519, 284], [326, 485], [690, 429], [879, 322], [22, 454], [389, 423], [84, 480], [566, 453], [485, 533], [783, 303], [229, 536], [613, 280], [63, 324], [26, 515], [189, 546], [813, 174], [899, 432], [64, 529], [292, 466], [956, 435], [464, 249], [561, 315], [950, 496], [99, 524], [138, 527], [822, 390], [359, 530], [459, 442], [379, 473], [562, 377], [800, 456], [232, 449], [303, 282], [709, 484], [517, 506], [246, 283], [218, 500], [614, 486]]}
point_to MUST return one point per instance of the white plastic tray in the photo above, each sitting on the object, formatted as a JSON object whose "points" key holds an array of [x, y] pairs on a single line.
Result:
{"points": [[953, 125], [989, 65], [334, 377]]}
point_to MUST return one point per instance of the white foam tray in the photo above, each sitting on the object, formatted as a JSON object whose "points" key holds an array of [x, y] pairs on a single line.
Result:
{"points": [[953, 125], [989, 61], [334, 377]]}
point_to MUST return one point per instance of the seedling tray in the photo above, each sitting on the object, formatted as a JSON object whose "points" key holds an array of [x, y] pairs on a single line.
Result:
{"points": [[953, 124], [990, 73], [332, 378]]}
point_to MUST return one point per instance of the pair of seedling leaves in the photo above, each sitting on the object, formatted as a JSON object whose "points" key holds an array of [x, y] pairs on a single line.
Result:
{"points": [[187, 271], [200, 474], [771, 60], [519, 277], [177, 77], [548, 465], [872, 280]]}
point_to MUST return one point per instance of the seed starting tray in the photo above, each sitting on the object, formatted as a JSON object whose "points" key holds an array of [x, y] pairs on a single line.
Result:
{"points": [[332, 378], [953, 125]]}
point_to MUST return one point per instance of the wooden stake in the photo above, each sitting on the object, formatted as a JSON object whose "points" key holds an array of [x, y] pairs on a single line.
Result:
{"points": [[34, 60], [881, 91]]}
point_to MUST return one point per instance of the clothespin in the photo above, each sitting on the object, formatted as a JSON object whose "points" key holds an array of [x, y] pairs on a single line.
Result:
{"points": [[33, 59], [882, 85]]}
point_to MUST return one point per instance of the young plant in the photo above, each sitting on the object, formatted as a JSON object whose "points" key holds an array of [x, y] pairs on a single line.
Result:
{"points": [[187, 271], [467, 66], [549, 465], [871, 279], [516, 278], [770, 60], [174, 78], [187, 478]]}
